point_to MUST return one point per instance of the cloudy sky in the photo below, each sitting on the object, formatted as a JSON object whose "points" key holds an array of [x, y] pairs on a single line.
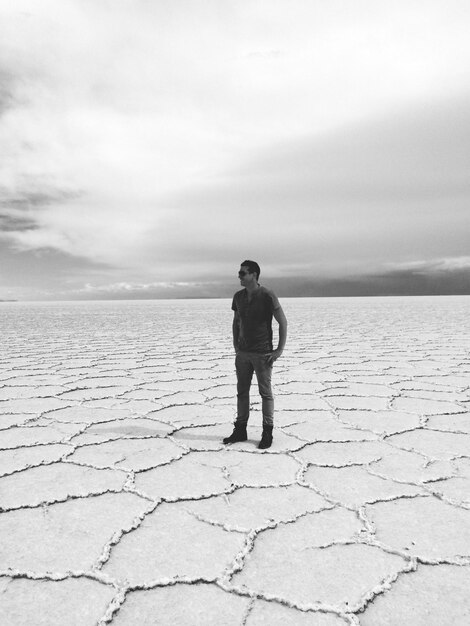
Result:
{"points": [[149, 146]]}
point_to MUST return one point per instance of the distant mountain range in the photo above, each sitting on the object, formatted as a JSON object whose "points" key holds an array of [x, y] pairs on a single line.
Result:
{"points": [[398, 283]]}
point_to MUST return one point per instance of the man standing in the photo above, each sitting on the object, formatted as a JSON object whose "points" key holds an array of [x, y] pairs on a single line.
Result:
{"points": [[254, 307]]}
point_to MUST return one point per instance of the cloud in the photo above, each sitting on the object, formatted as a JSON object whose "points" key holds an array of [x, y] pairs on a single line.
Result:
{"points": [[437, 277], [162, 141], [433, 266], [393, 189], [148, 291], [142, 287], [347, 202]]}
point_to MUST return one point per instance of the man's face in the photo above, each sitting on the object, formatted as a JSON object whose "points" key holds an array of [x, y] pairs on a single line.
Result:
{"points": [[245, 276]]}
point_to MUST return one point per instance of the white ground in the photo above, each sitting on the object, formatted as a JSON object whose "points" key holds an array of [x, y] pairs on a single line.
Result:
{"points": [[119, 503]]}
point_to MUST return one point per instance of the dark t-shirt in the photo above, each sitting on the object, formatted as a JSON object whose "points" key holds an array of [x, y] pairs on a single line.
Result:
{"points": [[255, 317]]}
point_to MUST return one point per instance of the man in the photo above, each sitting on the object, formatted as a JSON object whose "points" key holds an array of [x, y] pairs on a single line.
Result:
{"points": [[254, 307]]}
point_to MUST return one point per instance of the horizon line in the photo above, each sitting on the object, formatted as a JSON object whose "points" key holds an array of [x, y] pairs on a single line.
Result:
{"points": [[290, 297]]}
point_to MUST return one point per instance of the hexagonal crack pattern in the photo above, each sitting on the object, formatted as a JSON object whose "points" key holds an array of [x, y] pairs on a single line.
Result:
{"points": [[119, 501]]}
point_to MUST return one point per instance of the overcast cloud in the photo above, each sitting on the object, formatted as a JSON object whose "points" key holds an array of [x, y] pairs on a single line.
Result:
{"points": [[148, 147]]}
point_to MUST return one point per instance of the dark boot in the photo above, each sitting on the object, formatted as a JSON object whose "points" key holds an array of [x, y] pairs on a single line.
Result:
{"points": [[239, 434], [266, 438]]}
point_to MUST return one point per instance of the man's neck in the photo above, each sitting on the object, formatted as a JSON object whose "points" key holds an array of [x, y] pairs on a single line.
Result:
{"points": [[252, 288]]}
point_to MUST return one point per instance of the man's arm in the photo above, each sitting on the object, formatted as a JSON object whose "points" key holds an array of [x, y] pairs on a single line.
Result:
{"points": [[235, 329], [282, 321]]}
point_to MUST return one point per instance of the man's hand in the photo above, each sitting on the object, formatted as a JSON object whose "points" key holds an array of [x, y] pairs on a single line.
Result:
{"points": [[273, 356]]}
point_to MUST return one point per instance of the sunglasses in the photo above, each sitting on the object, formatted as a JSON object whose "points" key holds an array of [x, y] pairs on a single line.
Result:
{"points": [[242, 273]]}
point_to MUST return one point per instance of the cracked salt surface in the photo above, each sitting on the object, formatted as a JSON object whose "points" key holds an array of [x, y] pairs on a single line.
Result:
{"points": [[120, 503]]}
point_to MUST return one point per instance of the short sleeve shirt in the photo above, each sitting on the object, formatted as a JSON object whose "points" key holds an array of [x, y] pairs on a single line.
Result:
{"points": [[255, 318]]}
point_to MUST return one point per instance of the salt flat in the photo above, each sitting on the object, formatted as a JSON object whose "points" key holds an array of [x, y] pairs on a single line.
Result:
{"points": [[120, 504]]}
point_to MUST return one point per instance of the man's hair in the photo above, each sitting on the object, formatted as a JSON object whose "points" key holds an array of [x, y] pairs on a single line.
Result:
{"points": [[253, 267]]}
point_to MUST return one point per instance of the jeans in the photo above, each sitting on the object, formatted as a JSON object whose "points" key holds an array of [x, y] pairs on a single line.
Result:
{"points": [[245, 364]]}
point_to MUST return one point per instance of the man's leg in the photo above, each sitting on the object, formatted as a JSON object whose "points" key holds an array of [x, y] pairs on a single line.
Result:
{"points": [[244, 369], [263, 373]]}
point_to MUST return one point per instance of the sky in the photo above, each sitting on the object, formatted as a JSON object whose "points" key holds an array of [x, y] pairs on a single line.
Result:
{"points": [[148, 147]]}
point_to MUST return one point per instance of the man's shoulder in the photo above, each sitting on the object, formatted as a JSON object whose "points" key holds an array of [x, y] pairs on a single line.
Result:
{"points": [[269, 293], [236, 299], [239, 294], [266, 290]]}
